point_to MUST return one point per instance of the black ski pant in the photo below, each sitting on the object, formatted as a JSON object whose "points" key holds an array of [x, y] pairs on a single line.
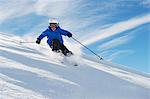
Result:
{"points": [[56, 46]]}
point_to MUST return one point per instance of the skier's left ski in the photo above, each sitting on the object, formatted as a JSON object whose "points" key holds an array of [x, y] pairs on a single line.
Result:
{"points": [[75, 64]]}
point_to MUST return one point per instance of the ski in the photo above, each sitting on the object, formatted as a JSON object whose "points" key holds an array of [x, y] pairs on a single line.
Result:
{"points": [[73, 64]]}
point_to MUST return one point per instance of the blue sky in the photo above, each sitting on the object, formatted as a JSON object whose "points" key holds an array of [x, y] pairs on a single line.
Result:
{"points": [[118, 30]]}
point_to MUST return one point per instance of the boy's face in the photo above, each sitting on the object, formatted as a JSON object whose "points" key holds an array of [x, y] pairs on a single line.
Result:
{"points": [[53, 26]]}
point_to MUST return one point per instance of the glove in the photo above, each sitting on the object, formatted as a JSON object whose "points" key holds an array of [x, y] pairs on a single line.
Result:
{"points": [[69, 35], [38, 41]]}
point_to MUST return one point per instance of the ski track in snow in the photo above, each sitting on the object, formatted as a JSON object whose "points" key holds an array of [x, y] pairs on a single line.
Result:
{"points": [[31, 71]]}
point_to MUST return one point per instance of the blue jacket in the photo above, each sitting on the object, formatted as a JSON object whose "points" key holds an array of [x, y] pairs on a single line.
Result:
{"points": [[57, 34]]}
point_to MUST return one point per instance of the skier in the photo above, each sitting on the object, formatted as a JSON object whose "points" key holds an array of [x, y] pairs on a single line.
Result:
{"points": [[54, 34]]}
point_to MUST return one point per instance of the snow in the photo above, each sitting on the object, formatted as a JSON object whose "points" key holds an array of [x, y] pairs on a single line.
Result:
{"points": [[31, 71]]}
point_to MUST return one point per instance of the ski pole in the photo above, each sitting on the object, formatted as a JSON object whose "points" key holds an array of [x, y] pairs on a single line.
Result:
{"points": [[27, 42], [88, 48], [30, 42]]}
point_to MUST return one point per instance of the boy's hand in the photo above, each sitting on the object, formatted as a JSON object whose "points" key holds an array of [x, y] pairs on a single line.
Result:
{"points": [[38, 41], [69, 35]]}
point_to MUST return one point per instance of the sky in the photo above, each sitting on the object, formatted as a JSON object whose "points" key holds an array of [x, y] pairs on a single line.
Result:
{"points": [[117, 30]]}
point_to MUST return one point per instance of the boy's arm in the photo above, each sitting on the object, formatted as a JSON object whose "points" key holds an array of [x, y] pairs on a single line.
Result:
{"points": [[41, 37], [65, 32]]}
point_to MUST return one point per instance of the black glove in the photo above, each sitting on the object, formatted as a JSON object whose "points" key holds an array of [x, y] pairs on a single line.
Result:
{"points": [[69, 35], [38, 41]]}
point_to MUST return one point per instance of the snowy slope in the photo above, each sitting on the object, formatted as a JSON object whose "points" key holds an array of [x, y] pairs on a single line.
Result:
{"points": [[31, 71]]}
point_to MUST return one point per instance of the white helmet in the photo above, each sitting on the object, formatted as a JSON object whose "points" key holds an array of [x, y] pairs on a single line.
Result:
{"points": [[54, 20]]}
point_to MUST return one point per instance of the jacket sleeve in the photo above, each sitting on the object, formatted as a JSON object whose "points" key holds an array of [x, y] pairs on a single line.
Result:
{"points": [[64, 32], [44, 33]]}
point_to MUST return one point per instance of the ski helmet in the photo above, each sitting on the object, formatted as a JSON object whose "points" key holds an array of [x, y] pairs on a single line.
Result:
{"points": [[53, 21]]}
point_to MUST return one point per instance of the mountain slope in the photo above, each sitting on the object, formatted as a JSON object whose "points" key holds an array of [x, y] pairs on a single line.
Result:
{"points": [[33, 71]]}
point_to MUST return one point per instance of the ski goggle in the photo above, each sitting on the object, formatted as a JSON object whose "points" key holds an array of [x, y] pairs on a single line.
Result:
{"points": [[56, 24]]}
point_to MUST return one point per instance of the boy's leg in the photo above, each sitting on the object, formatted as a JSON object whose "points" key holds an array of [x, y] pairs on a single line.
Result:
{"points": [[64, 50], [55, 45]]}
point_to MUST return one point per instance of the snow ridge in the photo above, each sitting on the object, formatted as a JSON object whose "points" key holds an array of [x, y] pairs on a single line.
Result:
{"points": [[26, 72]]}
